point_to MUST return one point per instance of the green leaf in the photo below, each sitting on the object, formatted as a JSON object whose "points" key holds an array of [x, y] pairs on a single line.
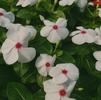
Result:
{"points": [[65, 58], [21, 69], [7, 75], [39, 95], [17, 91], [25, 13], [42, 45]]}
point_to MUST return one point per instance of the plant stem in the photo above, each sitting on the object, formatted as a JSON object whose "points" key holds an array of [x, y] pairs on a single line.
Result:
{"points": [[56, 46]]}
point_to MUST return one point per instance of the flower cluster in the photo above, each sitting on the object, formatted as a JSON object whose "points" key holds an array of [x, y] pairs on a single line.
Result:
{"points": [[64, 77], [16, 47]]}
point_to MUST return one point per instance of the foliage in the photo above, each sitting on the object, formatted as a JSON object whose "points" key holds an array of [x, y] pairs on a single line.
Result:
{"points": [[24, 83]]}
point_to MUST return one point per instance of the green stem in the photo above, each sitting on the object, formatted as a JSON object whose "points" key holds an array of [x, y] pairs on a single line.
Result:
{"points": [[56, 47]]}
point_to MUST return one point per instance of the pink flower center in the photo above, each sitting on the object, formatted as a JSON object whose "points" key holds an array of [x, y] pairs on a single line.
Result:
{"points": [[55, 27], [1, 14], [64, 71], [62, 93], [47, 64], [83, 32], [18, 45]]}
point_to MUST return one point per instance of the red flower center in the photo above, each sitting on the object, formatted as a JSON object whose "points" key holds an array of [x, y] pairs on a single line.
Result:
{"points": [[64, 71], [1, 14], [83, 32], [62, 93], [55, 27], [18, 45], [47, 64], [97, 2]]}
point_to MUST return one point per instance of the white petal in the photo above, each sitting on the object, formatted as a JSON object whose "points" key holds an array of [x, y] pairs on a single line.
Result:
{"points": [[59, 79], [98, 40], [4, 22], [24, 4], [90, 36], [80, 28], [20, 33], [45, 31], [19, 2], [63, 32], [52, 96], [50, 87], [82, 4], [98, 66], [2, 10], [67, 98], [26, 54], [48, 23], [7, 46], [98, 31], [78, 39], [31, 31], [99, 12], [66, 2], [54, 71], [75, 32], [13, 30], [11, 57], [43, 71], [53, 37], [73, 72], [97, 55], [10, 16], [71, 87], [61, 22]]}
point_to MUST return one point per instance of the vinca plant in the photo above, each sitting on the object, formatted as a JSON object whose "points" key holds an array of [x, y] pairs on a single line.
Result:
{"points": [[50, 49]]}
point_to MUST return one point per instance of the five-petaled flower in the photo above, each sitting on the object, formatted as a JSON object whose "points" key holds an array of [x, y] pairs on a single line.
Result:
{"points": [[44, 63], [55, 32], [57, 92], [63, 73], [83, 35], [15, 47]]}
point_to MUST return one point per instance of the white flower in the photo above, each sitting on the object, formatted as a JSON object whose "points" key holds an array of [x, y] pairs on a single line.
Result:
{"points": [[6, 18], [66, 2], [55, 32], [97, 56], [82, 4], [25, 3], [58, 92], [15, 47], [83, 35], [98, 36], [44, 63], [63, 73]]}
